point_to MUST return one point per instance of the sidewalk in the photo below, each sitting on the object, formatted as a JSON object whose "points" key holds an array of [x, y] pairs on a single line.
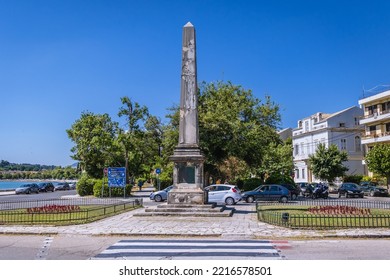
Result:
{"points": [[242, 225]]}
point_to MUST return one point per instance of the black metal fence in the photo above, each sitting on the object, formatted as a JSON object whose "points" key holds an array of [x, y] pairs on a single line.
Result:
{"points": [[63, 211], [284, 214]]}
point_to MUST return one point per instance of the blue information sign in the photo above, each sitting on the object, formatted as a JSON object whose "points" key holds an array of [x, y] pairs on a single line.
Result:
{"points": [[158, 170], [116, 177]]}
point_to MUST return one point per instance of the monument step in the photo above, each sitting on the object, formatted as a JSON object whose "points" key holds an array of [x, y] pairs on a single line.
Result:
{"points": [[202, 206], [228, 213], [193, 209]]}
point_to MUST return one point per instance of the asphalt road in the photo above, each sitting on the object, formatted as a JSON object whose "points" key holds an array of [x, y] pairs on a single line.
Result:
{"points": [[76, 247]]}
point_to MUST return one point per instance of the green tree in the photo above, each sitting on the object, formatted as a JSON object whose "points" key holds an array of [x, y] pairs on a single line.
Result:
{"points": [[278, 159], [93, 135], [132, 140], [327, 163], [233, 124], [378, 161]]}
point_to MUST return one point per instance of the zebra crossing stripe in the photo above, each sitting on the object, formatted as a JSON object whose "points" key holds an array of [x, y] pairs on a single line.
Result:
{"points": [[190, 249]]}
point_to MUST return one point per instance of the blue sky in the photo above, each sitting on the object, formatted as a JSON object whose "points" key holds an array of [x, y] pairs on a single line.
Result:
{"points": [[60, 58]]}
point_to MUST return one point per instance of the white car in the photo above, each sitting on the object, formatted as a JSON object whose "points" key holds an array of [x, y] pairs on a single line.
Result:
{"points": [[223, 193], [162, 195]]}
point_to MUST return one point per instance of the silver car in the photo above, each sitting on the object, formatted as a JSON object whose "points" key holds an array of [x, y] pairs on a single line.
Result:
{"points": [[223, 193], [162, 195]]}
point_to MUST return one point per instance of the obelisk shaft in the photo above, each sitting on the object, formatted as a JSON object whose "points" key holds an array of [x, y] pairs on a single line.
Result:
{"points": [[189, 134], [187, 157]]}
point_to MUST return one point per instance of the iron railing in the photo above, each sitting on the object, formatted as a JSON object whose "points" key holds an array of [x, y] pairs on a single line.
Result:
{"points": [[282, 217], [68, 211]]}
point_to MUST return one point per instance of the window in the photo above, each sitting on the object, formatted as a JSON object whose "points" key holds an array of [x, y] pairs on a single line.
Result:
{"points": [[306, 125], [297, 171], [296, 149], [356, 121], [358, 146], [343, 144], [303, 173], [341, 124], [274, 188], [315, 145], [302, 152], [388, 127]]}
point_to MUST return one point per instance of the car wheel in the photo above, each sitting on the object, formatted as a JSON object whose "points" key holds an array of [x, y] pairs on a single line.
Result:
{"points": [[372, 193], [37, 191], [229, 201], [158, 198], [293, 196], [250, 199], [28, 192], [283, 199]]}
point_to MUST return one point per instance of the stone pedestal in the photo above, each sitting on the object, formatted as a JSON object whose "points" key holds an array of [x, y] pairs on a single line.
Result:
{"points": [[187, 176]]}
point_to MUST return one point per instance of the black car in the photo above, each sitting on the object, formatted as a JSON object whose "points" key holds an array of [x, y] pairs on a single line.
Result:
{"points": [[294, 190], [62, 187], [46, 187], [374, 190], [350, 190]]}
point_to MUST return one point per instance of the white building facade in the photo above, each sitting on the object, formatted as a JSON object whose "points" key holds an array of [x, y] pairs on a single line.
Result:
{"points": [[341, 128], [376, 120]]}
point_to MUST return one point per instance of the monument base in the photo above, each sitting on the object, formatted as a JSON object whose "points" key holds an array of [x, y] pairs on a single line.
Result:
{"points": [[187, 196]]}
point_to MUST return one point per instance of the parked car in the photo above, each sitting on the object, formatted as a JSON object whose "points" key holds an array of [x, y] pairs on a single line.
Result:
{"points": [[294, 190], [223, 193], [46, 187], [161, 195], [62, 186], [368, 184], [27, 189], [267, 192], [374, 190], [350, 190], [72, 186]]}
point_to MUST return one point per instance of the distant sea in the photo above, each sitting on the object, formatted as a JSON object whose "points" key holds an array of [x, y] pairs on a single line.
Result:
{"points": [[11, 185]]}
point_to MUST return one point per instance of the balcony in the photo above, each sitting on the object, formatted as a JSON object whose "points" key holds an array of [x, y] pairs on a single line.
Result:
{"points": [[376, 137], [375, 117]]}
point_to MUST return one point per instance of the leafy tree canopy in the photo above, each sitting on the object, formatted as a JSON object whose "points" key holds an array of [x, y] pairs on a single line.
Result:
{"points": [[378, 160], [327, 163]]}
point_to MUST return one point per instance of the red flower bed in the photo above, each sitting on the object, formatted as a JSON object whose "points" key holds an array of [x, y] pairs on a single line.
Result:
{"points": [[339, 210], [53, 209]]}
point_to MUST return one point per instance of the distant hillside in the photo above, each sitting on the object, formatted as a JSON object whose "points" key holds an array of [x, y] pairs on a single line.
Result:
{"points": [[8, 166]]}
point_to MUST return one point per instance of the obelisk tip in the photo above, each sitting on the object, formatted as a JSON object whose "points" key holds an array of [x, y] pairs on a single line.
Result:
{"points": [[189, 24]]}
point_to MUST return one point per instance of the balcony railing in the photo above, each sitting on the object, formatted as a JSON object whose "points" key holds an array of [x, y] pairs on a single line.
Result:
{"points": [[375, 114], [376, 134]]}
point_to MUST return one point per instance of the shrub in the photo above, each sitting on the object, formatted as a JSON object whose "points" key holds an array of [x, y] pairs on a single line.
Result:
{"points": [[115, 192], [353, 178], [85, 185], [279, 179], [251, 183]]}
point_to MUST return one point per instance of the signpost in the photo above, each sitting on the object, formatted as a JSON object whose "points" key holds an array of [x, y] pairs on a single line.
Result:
{"points": [[117, 178], [158, 172]]}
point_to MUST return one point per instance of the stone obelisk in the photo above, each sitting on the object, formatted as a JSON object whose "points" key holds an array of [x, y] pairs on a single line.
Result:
{"points": [[187, 157]]}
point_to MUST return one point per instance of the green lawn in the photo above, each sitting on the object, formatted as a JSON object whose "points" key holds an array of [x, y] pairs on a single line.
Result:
{"points": [[86, 214], [300, 217]]}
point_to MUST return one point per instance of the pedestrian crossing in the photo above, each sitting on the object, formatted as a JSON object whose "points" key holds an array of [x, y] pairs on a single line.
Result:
{"points": [[191, 250]]}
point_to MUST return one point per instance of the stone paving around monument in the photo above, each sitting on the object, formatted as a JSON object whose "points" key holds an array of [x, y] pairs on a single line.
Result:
{"points": [[242, 225]]}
